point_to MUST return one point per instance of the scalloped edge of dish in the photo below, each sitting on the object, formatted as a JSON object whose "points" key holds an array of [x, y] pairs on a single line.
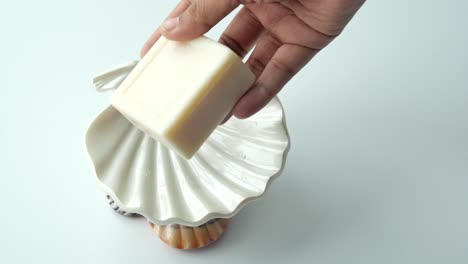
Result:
{"points": [[209, 216]]}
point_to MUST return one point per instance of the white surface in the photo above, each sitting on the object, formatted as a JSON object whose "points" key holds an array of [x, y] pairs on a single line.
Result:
{"points": [[236, 165], [377, 173], [181, 91]]}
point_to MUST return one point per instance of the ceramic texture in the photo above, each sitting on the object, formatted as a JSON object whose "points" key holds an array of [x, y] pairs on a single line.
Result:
{"points": [[234, 166], [185, 237]]}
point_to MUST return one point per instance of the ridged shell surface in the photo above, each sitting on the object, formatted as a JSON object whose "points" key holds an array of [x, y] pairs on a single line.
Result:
{"points": [[186, 237], [235, 165]]}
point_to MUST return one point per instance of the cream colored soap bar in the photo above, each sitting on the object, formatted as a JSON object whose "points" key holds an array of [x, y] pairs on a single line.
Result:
{"points": [[180, 91]]}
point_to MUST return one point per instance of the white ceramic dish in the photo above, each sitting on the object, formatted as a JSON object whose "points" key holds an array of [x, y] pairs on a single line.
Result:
{"points": [[234, 166]]}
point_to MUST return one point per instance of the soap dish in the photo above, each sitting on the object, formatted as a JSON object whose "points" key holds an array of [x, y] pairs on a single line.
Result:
{"points": [[236, 164]]}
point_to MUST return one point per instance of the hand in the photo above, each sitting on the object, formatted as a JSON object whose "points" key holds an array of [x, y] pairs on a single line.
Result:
{"points": [[286, 35]]}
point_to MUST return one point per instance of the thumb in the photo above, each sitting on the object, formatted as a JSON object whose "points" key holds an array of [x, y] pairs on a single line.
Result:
{"points": [[198, 19]]}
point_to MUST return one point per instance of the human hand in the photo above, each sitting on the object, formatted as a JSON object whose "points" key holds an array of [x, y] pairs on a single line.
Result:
{"points": [[286, 35]]}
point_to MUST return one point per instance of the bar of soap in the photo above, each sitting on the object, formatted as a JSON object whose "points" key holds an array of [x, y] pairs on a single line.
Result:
{"points": [[180, 91]]}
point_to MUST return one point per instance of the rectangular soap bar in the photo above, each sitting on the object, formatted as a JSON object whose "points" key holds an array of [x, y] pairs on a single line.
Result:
{"points": [[180, 91]]}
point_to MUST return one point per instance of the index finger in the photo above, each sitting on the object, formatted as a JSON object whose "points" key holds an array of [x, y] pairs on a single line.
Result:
{"points": [[198, 19], [283, 66], [181, 7]]}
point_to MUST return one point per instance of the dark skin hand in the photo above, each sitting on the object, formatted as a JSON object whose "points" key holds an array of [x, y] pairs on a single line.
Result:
{"points": [[286, 34]]}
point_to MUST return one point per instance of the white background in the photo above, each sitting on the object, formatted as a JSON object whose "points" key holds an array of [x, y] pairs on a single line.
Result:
{"points": [[377, 173]]}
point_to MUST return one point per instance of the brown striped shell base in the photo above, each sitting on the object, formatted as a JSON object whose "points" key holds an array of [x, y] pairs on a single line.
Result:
{"points": [[180, 236], [186, 237]]}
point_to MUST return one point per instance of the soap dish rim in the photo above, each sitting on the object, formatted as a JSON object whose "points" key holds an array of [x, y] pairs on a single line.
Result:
{"points": [[206, 217]]}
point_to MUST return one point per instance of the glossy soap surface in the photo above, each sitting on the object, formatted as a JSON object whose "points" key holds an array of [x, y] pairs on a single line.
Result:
{"points": [[181, 91]]}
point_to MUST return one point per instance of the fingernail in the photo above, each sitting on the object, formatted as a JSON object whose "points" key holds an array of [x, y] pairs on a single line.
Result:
{"points": [[241, 109], [170, 24], [226, 119]]}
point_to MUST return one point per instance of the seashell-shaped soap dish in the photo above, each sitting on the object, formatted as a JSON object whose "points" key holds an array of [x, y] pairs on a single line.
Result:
{"points": [[187, 202]]}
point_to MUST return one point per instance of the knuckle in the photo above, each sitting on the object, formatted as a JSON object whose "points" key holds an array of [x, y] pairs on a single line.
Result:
{"points": [[319, 40], [256, 65], [283, 67], [250, 18], [198, 14], [233, 45], [275, 42], [187, 2], [196, 9], [266, 93]]}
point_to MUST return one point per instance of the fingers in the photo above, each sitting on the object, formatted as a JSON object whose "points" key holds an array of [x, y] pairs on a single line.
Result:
{"points": [[197, 19], [262, 54], [242, 33], [287, 27], [266, 47], [178, 10], [284, 64]]}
